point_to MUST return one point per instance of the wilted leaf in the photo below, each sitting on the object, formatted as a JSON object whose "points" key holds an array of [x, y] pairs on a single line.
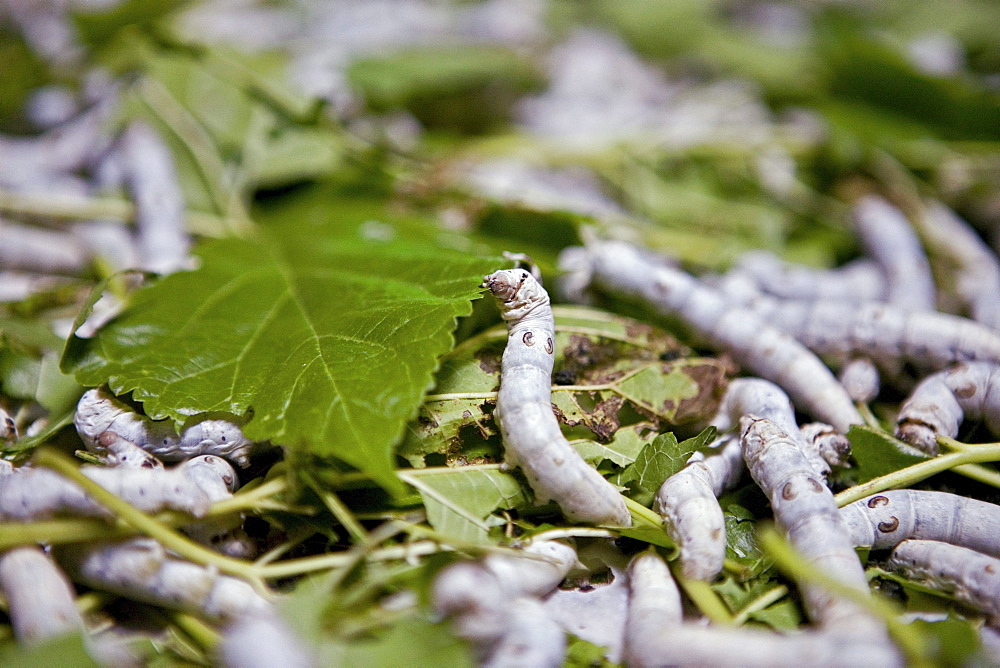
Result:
{"points": [[331, 342], [603, 364]]}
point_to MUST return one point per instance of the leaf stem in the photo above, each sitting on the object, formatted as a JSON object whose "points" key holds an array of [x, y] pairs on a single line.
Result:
{"points": [[642, 514], [284, 569], [759, 603], [787, 558], [339, 510], [200, 632], [142, 522], [919, 471], [55, 532], [703, 597]]}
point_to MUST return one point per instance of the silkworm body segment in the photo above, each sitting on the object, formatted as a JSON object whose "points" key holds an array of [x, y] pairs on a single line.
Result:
{"points": [[532, 438]]}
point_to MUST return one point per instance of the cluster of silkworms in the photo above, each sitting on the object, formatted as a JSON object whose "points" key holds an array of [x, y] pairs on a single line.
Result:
{"points": [[37, 582]]}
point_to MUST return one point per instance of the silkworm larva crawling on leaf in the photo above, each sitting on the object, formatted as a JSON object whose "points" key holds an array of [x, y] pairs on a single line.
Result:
{"points": [[481, 596], [118, 452], [941, 401], [687, 500], [977, 270], [888, 335], [888, 237], [531, 434], [860, 280], [140, 569], [752, 341], [805, 509], [656, 635], [40, 600], [38, 493], [98, 411], [884, 520], [971, 577]]}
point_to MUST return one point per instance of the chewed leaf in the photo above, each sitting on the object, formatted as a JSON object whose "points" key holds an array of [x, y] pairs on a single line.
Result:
{"points": [[604, 364], [329, 341], [458, 500], [659, 460], [877, 453]]}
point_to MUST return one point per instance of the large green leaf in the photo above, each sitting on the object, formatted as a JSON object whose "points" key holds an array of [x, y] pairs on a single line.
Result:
{"points": [[330, 341]]}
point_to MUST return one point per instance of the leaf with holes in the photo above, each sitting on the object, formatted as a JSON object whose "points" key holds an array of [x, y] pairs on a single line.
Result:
{"points": [[330, 341]]}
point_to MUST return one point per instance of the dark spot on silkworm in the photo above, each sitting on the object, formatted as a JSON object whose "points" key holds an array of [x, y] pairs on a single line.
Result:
{"points": [[965, 391], [816, 485], [528, 338], [564, 377], [989, 568], [788, 491], [717, 534], [889, 525], [877, 501], [550, 347]]}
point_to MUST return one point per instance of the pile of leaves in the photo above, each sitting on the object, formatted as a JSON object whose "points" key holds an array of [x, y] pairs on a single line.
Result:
{"points": [[346, 213]]}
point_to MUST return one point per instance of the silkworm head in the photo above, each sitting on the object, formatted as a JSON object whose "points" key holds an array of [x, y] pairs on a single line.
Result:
{"points": [[517, 291], [218, 466]]}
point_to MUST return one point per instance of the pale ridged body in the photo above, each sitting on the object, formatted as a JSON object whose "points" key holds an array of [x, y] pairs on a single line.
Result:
{"points": [[884, 520], [533, 440], [939, 404], [970, 576], [40, 600]]}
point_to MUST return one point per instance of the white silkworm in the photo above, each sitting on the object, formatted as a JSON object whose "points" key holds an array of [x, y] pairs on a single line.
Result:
{"points": [[152, 180], [98, 411], [115, 451], [861, 379], [532, 438], [533, 639], [39, 493], [884, 520], [976, 268], [751, 340], [262, 641], [857, 281], [218, 480], [479, 596], [657, 636], [40, 600], [687, 499], [888, 237], [971, 577], [887, 334], [30, 248], [141, 570], [941, 401], [806, 510]]}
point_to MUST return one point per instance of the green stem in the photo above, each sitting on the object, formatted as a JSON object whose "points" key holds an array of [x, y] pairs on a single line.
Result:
{"points": [[59, 531], [250, 499], [919, 471], [284, 569], [643, 514], [339, 510], [703, 597], [204, 635], [142, 522], [759, 603], [787, 558]]}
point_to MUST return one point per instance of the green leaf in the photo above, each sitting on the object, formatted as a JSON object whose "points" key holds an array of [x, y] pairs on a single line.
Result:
{"points": [[413, 641], [741, 539], [329, 341], [459, 500], [878, 453], [658, 461], [67, 650]]}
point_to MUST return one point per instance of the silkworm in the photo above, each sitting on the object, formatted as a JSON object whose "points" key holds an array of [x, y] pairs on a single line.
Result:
{"points": [[884, 520], [857, 281], [656, 635], [888, 335], [752, 341], [39, 493], [480, 598], [976, 270], [531, 435], [805, 509], [971, 577], [861, 378], [888, 238], [141, 570], [150, 177], [40, 600], [98, 411], [115, 451], [262, 641], [940, 402], [687, 500], [218, 480], [30, 248], [533, 638]]}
